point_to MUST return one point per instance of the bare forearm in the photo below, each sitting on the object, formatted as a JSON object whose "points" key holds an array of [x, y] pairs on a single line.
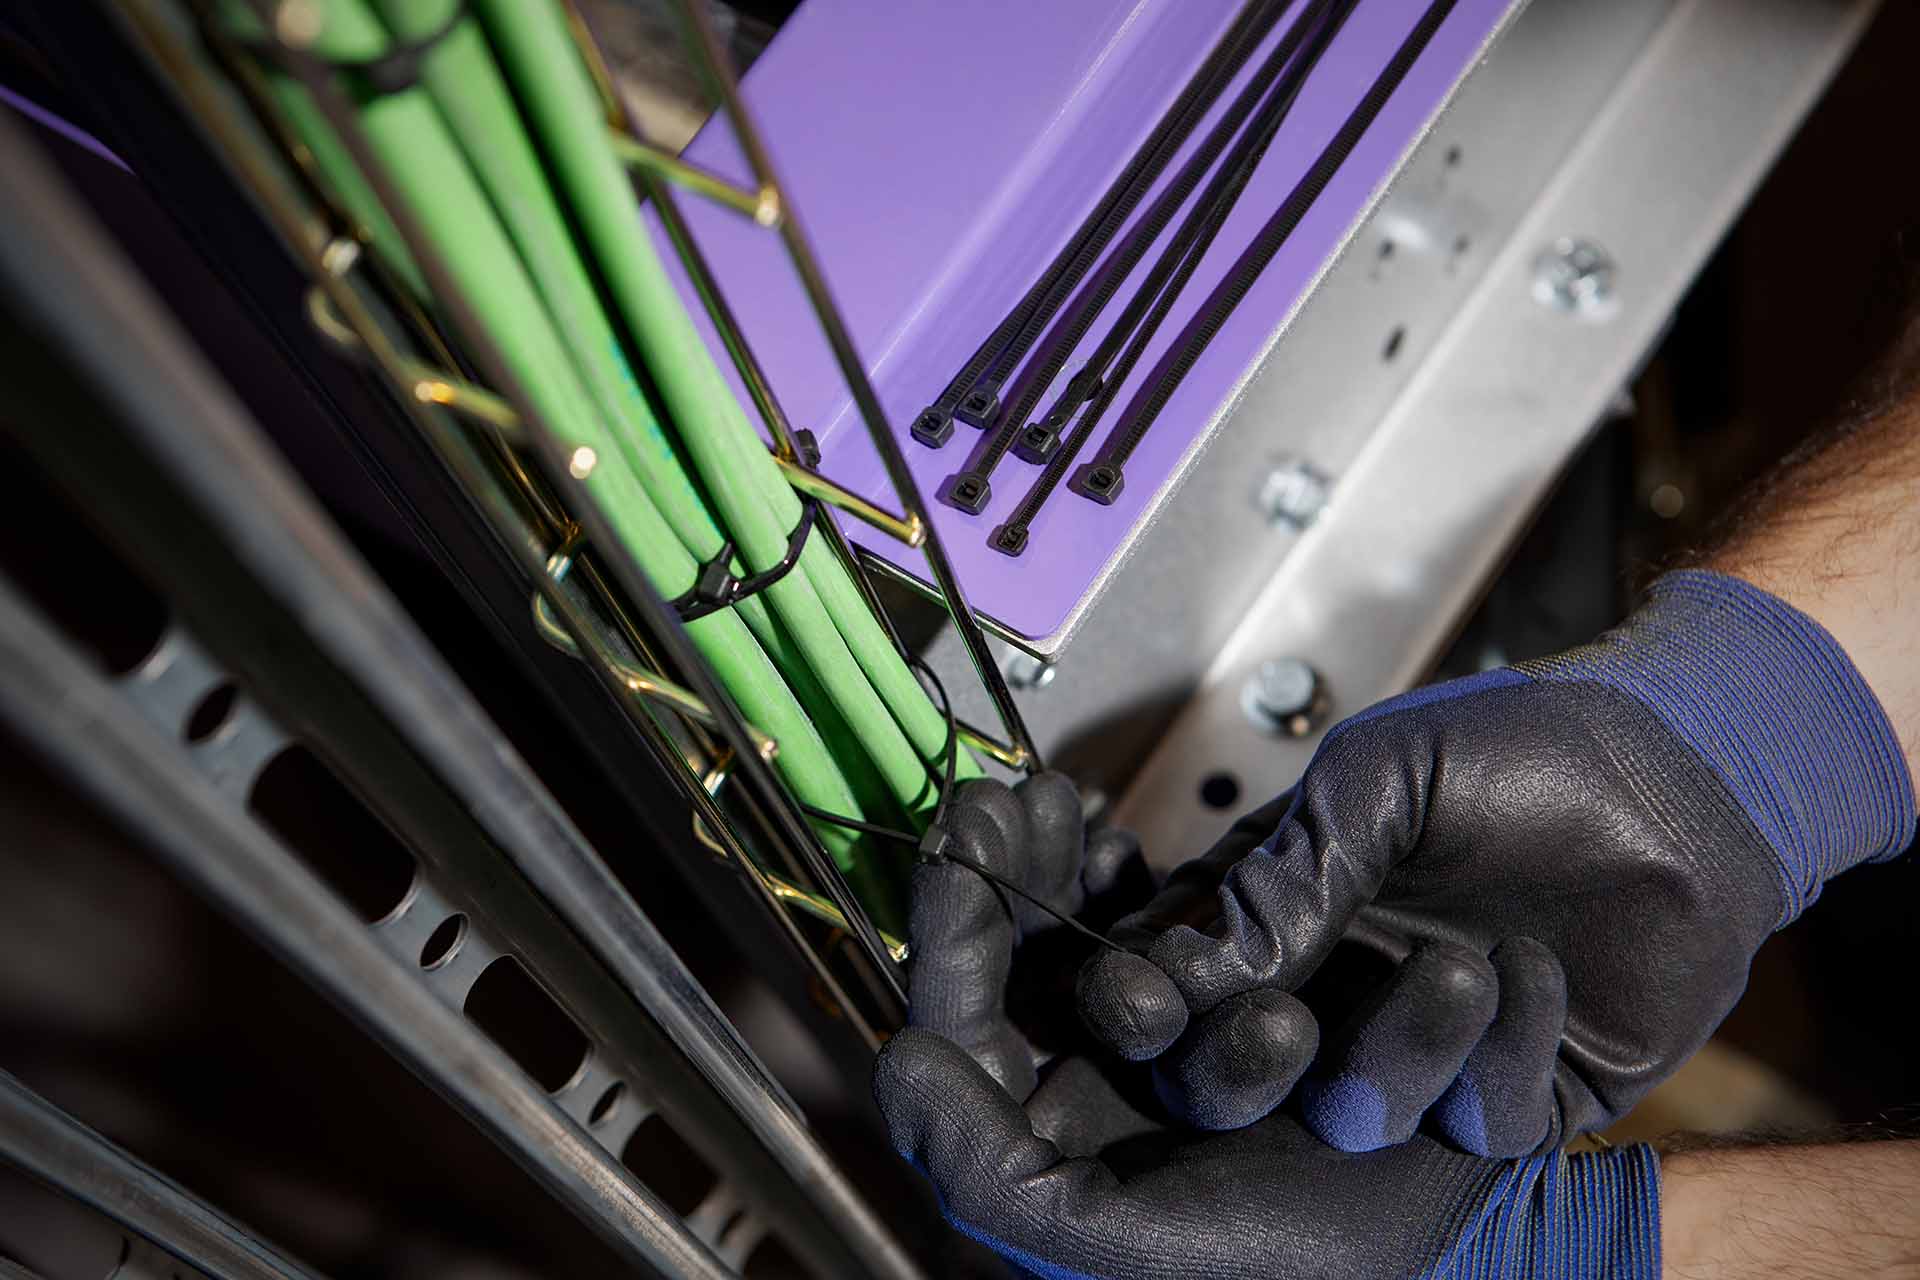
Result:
{"points": [[1802, 1213], [1836, 534]]}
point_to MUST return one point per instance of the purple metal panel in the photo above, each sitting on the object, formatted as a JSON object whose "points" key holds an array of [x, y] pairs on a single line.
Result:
{"points": [[941, 153]]}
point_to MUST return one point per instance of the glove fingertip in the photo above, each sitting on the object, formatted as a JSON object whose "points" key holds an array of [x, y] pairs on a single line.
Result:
{"points": [[1130, 1005], [1461, 1115], [1239, 1062], [921, 1079], [1345, 1111], [947, 1118]]}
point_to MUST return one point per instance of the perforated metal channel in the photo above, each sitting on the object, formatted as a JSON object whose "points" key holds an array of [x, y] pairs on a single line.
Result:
{"points": [[173, 688]]}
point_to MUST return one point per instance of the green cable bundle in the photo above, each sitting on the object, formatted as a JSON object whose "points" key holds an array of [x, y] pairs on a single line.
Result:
{"points": [[806, 660]]}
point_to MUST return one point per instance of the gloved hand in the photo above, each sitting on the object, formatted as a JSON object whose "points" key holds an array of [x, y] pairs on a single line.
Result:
{"points": [[1569, 867], [1084, 1181]]}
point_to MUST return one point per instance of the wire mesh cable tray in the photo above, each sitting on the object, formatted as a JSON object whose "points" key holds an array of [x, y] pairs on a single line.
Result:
{"points": [[588, 597]]}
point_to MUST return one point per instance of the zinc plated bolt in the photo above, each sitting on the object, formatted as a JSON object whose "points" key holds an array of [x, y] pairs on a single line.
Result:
{"points": [[1285, 697], [1024, 671], [1292, 494], [1577, 277]]}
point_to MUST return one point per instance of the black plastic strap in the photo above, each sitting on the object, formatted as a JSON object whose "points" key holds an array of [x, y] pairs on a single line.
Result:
{"points": [[717, 588], [395, 71], [936, 845]]}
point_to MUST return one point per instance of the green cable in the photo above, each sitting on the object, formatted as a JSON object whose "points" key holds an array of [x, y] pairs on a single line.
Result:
{"points": [[411, 141], [461, 75], [466, 85], [337, 169], [758, 504]]}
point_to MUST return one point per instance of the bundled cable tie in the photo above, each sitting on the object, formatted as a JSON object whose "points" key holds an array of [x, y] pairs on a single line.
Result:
{"points": [[395, 71], [717, 587]]}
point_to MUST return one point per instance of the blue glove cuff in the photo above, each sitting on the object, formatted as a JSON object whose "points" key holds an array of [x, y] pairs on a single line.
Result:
{"points": [[1567, 1217], [1774, 706]]}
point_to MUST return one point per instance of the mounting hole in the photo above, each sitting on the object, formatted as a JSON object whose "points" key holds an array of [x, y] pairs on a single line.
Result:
{"points": [[1395, 340], [671, 1169], [1219, 790], [444, 941], [529, 1024], [211, 713], [1387, 250], [608, 1103], [1455, 156], [334, 833]]}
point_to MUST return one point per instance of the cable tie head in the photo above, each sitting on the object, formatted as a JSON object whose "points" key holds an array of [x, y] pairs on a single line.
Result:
{"points": [[807, 446], [716, 583], [969, 491], [981, 406], [933, 846], [933, 428], [1100, 481], [1010, 539], [1037, 443]]}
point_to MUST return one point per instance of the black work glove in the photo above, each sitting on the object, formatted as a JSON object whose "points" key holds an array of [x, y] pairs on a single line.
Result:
{"points": [[1067, 1167], [1567, 869]]}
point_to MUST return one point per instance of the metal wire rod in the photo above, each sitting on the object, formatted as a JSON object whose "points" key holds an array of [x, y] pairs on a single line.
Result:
{"points": [[435, 386], [763, 206], [789, 455], [644, 684], [79, 1163], [711, 58], [426, 383]]}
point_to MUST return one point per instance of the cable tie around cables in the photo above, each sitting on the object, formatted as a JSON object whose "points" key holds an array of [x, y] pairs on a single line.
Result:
{"points": [[937, 847], [717, 588], [395, 71]]}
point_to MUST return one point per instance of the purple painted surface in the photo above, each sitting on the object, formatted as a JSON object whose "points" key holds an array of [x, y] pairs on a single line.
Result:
{"points": [[940, 154]]}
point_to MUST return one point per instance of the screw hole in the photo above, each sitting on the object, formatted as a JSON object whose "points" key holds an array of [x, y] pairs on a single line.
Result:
{"points": [[1387, 250], [1219, 790], [1395, 340], [1454, 156], [444, 941], [609, 1102], [211, 713]]}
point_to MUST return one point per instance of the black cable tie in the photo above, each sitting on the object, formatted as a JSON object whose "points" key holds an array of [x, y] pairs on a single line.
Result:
{"points": [[395, 71], [937, 848], [807, 446], [716, 587], [934, 845]]}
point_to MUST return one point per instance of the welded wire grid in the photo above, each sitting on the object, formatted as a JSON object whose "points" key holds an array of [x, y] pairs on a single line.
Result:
{"points": [[588, 597]]}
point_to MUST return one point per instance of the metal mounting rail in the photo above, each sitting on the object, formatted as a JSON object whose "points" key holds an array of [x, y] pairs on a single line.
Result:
{"points": [[214, 517], [77, 1162], [149, 781]]}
